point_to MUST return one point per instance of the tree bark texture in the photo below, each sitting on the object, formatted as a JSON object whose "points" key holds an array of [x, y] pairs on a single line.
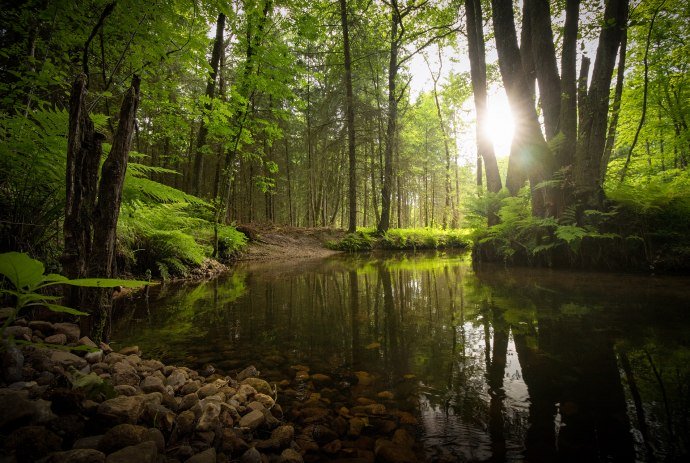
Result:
{"points": [[386, 190], [477, 55], [350, 111], [90, 218], [592, 133], [198, 169], [530, 152]]}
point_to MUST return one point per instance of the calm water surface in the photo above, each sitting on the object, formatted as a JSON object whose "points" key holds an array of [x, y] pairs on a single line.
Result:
{"points": [[495, 364]]}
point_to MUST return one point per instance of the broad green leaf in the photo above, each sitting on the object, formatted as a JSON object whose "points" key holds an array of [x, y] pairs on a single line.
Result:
{"points": [[63, 309], [21, 270], [106, 283]]}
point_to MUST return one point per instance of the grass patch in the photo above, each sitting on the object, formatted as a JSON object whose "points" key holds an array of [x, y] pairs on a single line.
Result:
{"points": [[408, 239]]}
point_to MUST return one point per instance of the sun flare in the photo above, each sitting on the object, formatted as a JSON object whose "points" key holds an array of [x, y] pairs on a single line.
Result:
{"points": [[500, 125]]}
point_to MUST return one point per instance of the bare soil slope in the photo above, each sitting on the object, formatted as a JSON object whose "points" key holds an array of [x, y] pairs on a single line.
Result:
{"points": [[288, 242]]}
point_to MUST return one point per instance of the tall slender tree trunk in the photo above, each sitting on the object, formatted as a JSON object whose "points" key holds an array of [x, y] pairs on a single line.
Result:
{"points": [[568, 122], [198, 169], [350, 111], [391, 128], [477, 55]]}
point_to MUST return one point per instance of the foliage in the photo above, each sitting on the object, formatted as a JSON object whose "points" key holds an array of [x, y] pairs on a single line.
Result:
{"points": [[27, 278], [168, 240], [403, 239], [32, 159], [354, 242]]}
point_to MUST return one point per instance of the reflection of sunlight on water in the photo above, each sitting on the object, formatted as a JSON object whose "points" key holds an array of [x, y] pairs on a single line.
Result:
{"points": [[457, 422], [517, 396]]}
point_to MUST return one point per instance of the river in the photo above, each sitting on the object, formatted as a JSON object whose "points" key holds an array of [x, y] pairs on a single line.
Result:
{"points": [[494, 364]]}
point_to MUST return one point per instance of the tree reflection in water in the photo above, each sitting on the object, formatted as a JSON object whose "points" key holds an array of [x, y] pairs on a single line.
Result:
{"points": [[497, 365]]}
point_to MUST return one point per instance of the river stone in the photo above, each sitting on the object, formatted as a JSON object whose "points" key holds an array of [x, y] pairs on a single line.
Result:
{"points": [[12, 363], [188, 401], [15, 406], [66, 359], [266, 400], [77, 456], [251, 456], [130, 350], [155, 435], [159, 416], [356, 426], [207, 456], [42, 326], [258, 384], [68, 329], [146, 452], [31, 443], [94, 357], [189, 387], [210, 417], [320, 433], [248, 372], [124, 373], [390, 452], [90, 442], [207, 390], [121, 436], [176, 379], [149, 366], [60, 339], [283, 435], [291, 456], [18, 332], [126, 389], [152, 384], [184, 423], [113, 358], [122, 409], [252, 420], [233, 443]]}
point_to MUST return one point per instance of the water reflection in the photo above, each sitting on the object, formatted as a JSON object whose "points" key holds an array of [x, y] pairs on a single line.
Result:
{"points": [[496, 365]]}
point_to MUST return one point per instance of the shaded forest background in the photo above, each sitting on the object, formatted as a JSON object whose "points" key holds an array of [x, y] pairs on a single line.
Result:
{"points": [[299, 113]]}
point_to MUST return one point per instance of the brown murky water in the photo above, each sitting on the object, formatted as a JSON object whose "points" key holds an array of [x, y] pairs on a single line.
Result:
{"points": [[494, 364]]}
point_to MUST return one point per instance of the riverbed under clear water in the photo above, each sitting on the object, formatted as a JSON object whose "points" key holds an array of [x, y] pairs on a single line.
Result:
{"points": [[496, 364]]}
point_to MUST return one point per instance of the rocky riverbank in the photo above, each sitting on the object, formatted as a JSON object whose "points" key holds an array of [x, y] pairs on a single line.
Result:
{"points": [[58, 404]]}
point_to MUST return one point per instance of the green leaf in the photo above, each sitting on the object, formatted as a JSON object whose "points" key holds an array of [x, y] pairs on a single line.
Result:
{"points": [[62, 309], [21, 270], [106, 283]]}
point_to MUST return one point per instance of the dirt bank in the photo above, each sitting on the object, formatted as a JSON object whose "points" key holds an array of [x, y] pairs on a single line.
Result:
{"points": [[272, 243]]}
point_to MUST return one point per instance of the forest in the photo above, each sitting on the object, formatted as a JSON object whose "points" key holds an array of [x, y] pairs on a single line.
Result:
{"points": [[311, 114], [149, 143]]}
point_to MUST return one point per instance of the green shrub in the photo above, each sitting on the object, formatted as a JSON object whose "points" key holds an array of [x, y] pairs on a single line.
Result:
{"points": [[166, 240], [353, 242]]}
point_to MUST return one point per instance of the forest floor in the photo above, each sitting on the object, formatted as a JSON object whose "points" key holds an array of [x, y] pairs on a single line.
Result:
{"points": [[270, 242]]}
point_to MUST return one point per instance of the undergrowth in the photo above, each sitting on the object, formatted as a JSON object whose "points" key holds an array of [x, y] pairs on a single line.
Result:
{"points": [[169, 240], [366, 239], [644, 226]]}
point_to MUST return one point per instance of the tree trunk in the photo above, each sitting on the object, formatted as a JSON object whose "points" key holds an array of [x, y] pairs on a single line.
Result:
{"points": [[530, 152], [546, 68], [350, 110], [568, 123], [90, 223], [386, 189], [615, 109], [592, 133], [197, 172], [477, 55]]}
